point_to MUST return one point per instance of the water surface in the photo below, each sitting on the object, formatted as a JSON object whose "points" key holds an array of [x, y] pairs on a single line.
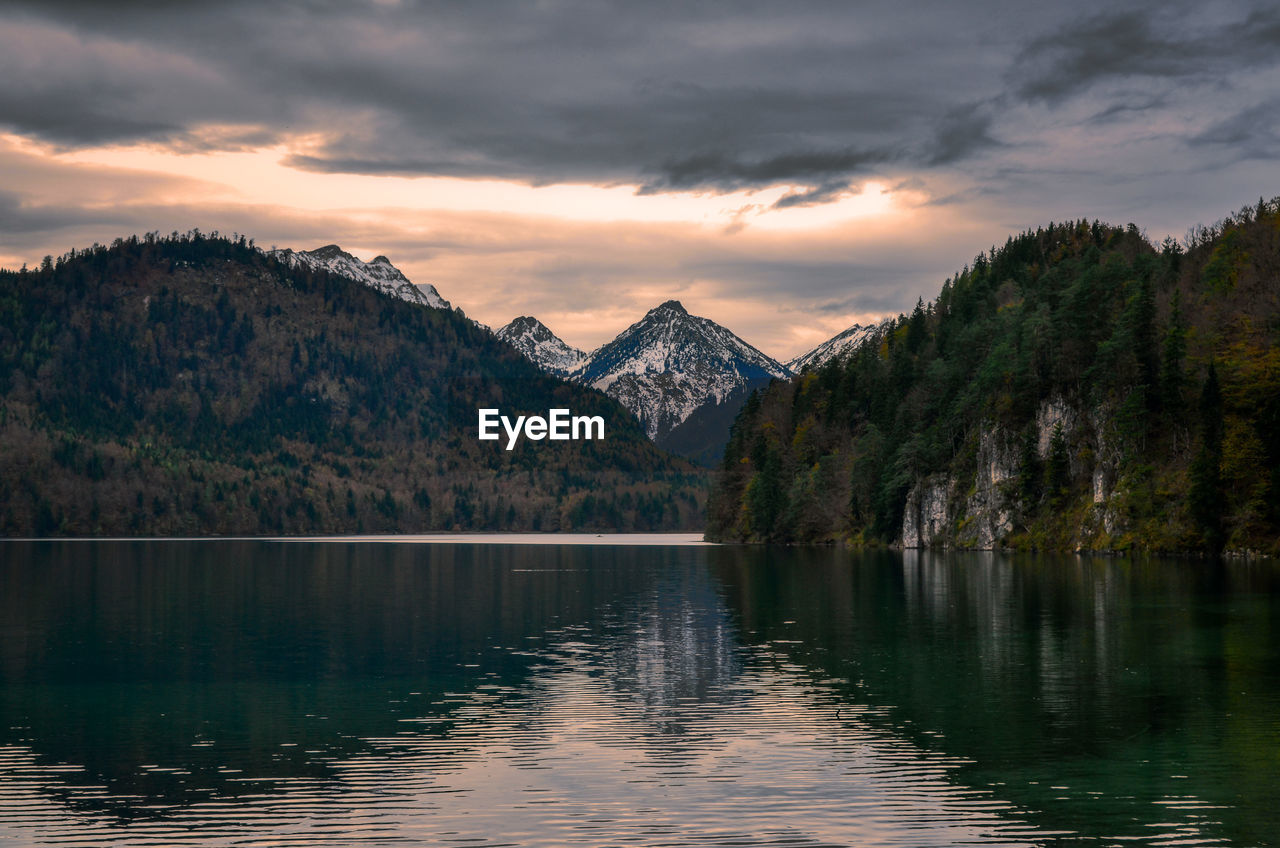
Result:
{"points": [[339, 693]]}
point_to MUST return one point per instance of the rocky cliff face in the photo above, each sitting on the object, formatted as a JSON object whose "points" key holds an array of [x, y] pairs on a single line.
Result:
{"points": [[980, 511], [925, 519], [991, 505]]}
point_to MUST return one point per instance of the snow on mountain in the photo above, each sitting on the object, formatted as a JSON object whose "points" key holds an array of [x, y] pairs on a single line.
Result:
{"points": [[836, 347], [378, 273], [670, 363], [532, 338]]}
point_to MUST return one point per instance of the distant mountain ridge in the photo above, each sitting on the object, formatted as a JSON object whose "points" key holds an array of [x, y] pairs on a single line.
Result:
{"points": [[533, 338], [836, 347], [378, 273], [664, 368]]}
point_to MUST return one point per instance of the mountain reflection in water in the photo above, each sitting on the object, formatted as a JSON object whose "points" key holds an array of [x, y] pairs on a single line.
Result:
{"points": [[327, 693]]}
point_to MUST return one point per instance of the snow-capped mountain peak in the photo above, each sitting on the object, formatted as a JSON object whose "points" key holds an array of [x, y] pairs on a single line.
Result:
{"points": [[670, 363], [837, 347], [378, 273], [329, 253], [533, 338]]}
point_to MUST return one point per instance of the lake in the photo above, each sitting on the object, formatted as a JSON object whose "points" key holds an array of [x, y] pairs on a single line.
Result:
{"points": [[390, 692]]}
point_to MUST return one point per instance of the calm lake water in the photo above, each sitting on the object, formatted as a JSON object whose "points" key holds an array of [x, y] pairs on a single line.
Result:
{"points": [[344, 693]]}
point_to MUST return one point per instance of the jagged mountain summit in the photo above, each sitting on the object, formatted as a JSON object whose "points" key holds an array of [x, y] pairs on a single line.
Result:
{"points": [[378, 273], [532, 338], [836, 347], [670, 363]]}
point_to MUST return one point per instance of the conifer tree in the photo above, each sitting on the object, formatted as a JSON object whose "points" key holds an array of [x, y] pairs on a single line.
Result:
{"points": [[1057, 469], [1205, 497], [1174, 351], [917, 328]]}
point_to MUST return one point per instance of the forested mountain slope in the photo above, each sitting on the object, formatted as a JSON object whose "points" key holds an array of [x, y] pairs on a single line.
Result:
{"points": [[194, 385], [1076, 388]]}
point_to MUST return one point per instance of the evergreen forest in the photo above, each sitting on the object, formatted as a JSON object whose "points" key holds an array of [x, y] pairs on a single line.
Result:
{"points": [[1078, 388], [191, 385]]}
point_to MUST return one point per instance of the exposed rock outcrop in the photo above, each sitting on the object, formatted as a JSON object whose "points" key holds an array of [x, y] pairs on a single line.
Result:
{"points": [[980, 512], [925, 518]]}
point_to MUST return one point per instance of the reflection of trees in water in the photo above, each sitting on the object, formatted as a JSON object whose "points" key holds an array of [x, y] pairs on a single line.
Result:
{"points": [[404, 664], [673, 646], [217, 661], [1112, 675], [1063, 635]]}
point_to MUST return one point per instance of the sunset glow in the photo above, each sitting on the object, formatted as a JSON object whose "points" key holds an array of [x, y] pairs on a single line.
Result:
{"points": [[786, 174]]}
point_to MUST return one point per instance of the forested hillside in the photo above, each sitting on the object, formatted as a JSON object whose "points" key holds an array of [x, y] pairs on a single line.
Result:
{"points": [[193, 385], [1077, 388]]}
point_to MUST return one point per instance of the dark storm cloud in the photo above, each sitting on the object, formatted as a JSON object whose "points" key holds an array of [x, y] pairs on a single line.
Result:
{"points": [[1142, 44], [1251, 133], [832, 286], [668, 137], [1125, 109], [50, 119], [20, 215], [669, 96], [728, 173], [673, 96], [962, 132], [822, 193], [883, 299]]}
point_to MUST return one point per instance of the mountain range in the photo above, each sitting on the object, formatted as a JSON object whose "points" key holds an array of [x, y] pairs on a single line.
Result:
{"points": [[665, 367], [1079, 388], [683, 376], [194, 385]]}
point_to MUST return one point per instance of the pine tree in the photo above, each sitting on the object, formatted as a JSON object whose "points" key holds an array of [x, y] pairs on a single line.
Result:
{"points": [[1205, 497], [1144, 338], [765, 495], [917, 328], [1174, 351]]}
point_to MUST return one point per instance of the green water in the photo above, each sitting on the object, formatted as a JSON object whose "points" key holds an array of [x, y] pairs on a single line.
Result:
{"points": [[340, 693]]}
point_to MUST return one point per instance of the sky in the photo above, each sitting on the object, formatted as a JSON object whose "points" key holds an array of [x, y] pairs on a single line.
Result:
{"points": [[786, 169]]}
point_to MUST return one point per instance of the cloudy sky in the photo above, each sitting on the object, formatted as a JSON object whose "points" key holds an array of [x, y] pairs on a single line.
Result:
{"points": [[786, 169]]}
